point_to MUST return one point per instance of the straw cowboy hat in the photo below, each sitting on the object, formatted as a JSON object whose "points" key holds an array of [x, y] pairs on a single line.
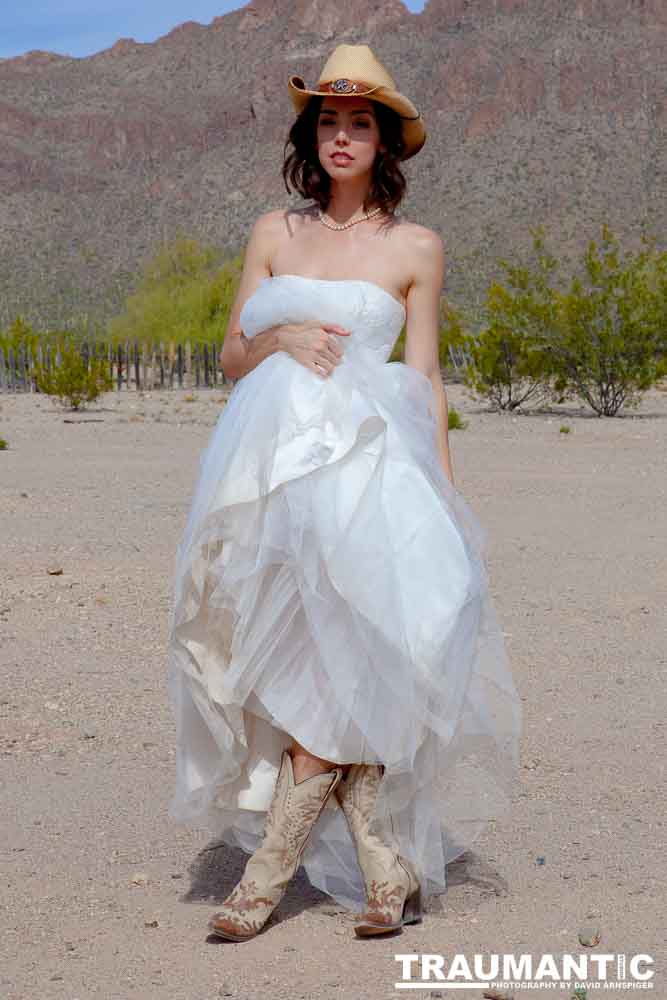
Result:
{"points": [[354, 70]]}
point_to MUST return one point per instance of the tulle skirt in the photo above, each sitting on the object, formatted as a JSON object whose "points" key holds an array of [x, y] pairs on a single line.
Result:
{"points": [[330, 586]]}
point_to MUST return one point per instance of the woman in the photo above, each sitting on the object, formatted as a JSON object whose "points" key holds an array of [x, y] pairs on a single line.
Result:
{"points": [[341, 689]]}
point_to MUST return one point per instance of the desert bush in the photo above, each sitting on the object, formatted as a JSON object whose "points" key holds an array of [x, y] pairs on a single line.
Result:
{"points": [[608, 343], [508, 364], [76, 380], [454, 420], [19, 333], [602, 338]]}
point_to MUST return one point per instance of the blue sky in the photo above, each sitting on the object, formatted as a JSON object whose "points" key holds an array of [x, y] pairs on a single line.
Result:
{"points": [[81, 27]]}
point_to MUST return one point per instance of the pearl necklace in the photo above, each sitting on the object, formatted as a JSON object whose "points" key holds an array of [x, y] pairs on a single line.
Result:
{"points": [[347, 225]]}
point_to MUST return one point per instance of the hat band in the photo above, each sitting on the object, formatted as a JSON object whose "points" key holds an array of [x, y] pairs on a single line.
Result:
{"points": [[344, 86]]}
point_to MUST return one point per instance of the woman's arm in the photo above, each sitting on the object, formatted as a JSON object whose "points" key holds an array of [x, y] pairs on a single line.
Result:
{"points": [[240, 354], [309, 343], [422, 333]]}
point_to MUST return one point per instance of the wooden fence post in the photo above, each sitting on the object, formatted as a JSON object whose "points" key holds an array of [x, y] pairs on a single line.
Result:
{"points": [[196, 364], [29, 369], [137, 373], [22, 371]]}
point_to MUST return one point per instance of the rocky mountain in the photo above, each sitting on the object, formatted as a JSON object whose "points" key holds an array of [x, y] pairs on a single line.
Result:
{"points": [[551, 111]]}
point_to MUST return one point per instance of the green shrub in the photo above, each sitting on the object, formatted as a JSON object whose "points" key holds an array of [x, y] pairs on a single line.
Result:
{"points": [[508, 366], [18, 334], [608, 343], [3, 444], [602, 340], [454, 419], [74, 381]]}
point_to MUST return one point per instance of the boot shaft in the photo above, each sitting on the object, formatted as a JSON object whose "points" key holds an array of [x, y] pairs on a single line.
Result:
{"points": [[378, 853], [293, 811]]}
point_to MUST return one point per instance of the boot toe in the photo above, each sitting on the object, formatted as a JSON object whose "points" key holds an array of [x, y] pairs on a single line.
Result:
{"points": [[376, 917], [221, 925], [375, 923]]}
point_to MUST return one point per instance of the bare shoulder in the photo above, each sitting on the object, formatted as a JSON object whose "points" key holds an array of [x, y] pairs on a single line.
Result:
{"points": [[264, 237], [421, 239], [424, 249], [278, 220], [271, 228], [269, 222]]}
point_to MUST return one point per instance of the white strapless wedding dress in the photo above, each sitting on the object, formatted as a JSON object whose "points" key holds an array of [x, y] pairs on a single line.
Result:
{"points": [[330, 585]]}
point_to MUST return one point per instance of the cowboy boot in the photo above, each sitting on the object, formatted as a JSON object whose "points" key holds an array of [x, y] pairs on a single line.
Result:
{"points": [[291, 816], [392, 885]]}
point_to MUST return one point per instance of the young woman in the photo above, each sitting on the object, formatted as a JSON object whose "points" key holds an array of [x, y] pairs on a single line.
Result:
{"points": [[341, 688]]}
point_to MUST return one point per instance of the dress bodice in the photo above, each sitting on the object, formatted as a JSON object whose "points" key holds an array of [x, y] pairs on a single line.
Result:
{"points": [[373, 316]]}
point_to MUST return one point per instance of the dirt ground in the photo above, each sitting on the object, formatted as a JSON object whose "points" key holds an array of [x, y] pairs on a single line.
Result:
{"points": [[104, 896]]}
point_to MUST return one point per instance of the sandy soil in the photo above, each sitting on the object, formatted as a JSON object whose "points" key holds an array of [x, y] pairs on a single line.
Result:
{"points": [[104, 896]]}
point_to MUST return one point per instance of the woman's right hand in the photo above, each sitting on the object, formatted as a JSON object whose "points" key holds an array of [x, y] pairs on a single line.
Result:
{"points": [[313, 344]]}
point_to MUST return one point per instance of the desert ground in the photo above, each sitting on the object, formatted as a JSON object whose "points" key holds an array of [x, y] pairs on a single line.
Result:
{"points": [[104, 896]]}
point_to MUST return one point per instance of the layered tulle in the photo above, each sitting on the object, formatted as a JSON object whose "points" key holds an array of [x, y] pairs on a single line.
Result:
{"points": [[330, 585]]}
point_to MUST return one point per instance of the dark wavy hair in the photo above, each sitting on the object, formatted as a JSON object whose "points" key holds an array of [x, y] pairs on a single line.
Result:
{"points": [[303, 170]]}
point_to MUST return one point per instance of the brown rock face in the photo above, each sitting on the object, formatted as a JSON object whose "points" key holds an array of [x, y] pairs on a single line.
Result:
{"points": [[535, 111], [321, 17]]}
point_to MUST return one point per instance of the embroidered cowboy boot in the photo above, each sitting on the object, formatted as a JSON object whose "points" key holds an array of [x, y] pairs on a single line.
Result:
{"points": [[392, 885], [291, 816]]}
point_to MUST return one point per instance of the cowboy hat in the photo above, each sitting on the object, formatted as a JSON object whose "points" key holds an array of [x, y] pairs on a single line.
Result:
{"points": [[355, 71]]}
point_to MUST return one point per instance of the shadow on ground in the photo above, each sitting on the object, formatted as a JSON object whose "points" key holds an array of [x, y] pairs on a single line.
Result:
{"points": [[218, 868]]}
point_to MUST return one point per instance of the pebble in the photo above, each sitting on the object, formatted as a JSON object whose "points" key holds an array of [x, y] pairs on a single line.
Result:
{"points": [[589, 935]]}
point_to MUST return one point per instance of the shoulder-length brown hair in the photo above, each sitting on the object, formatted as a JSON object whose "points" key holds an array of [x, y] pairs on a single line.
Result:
{"points": [[303, 170]]}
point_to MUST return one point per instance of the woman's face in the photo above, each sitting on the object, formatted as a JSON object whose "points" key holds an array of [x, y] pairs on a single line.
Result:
{"points": [[348, 136]]}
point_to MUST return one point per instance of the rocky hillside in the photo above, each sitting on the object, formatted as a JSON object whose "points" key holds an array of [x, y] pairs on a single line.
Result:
{"points": [[538, 110]]}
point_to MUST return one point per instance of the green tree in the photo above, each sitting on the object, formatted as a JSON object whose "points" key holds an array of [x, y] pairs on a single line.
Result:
{"points": [[184, 293]]}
